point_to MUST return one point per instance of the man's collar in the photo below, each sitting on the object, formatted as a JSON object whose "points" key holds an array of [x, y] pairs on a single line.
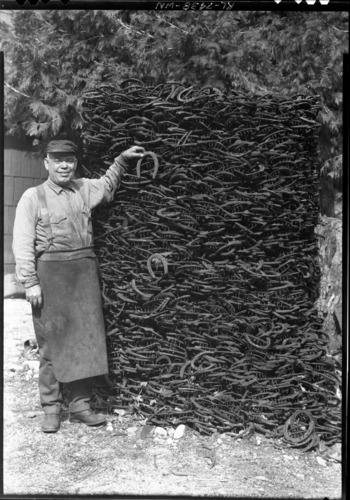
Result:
{"points": [[58, 189]]}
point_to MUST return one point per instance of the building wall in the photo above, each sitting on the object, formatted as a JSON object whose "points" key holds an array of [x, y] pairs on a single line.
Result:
{"points": [[21, 171]]}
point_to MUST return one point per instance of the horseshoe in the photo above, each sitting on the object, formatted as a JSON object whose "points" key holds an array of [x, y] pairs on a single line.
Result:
{"points": [[155, 161]]}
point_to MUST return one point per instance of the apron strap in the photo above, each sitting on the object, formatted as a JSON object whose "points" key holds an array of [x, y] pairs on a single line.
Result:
{"points": [[44, 213]]}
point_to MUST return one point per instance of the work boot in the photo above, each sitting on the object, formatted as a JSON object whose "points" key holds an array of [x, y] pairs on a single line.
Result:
{"points": [[51, 422], [87, 417]]}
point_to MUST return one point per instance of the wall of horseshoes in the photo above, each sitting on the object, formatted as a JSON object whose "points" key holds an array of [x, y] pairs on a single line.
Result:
{"points": [[209, 261]]}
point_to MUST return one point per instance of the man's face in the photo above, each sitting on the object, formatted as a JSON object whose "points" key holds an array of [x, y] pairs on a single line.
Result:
{"points": [[61, 167]]}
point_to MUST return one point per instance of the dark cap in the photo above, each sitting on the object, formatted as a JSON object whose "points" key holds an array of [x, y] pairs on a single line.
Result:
{"points": [[61, 146]]}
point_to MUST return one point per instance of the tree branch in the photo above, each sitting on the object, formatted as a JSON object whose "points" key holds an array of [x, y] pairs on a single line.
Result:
{"points": [[135, 31], [171, 24], [17, 91]]}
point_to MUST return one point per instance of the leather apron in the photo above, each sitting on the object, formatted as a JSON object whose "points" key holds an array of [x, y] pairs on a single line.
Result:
{"points": [[71, 318]]}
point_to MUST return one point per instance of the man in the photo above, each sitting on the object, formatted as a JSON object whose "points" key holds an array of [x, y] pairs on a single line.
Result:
{"points": [[55, 261]]}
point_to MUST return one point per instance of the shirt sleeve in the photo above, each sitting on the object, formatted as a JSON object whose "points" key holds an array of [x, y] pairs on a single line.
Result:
{"points": [[104, 188], [23, 245]]}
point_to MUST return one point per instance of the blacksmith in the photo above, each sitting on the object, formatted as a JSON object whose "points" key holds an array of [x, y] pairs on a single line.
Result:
{"points": [[55, 261]]}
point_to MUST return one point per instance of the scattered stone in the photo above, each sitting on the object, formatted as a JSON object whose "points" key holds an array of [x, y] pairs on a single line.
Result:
{"points": [[336, 448], [335, 456], [320, 461], [30, 344], [300, 476], [160, 431], [131, 430], [322, 447], [262, 478], [32, 365], [258, 440], [31, 414], [288, 457], [121, 413], [109, 427], [169, 441], [219, 441], [179, 431]]}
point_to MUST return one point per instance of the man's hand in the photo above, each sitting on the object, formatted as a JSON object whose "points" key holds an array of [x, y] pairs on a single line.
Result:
{"points": [[134, 153], [34, 295]]}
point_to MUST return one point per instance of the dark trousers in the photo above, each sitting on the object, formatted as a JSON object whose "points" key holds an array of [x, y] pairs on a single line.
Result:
{"points": [[50, 389]]}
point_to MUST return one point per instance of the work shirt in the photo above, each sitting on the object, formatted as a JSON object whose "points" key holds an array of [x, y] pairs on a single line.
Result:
{"points": [[69, 210]]}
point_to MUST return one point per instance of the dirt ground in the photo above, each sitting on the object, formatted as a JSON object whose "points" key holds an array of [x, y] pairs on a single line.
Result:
{"points": [[118, 460]]}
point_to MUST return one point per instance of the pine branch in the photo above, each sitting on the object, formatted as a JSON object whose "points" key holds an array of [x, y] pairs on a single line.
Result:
{"points": [[132, 29], [17, 91], [172, 25]]}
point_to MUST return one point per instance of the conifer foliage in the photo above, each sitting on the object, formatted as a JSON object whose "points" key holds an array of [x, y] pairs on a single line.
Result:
{"points": [[54, 56]]}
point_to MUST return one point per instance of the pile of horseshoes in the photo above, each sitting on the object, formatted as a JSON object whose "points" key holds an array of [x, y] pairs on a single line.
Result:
{"points": [[209, 261]]}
